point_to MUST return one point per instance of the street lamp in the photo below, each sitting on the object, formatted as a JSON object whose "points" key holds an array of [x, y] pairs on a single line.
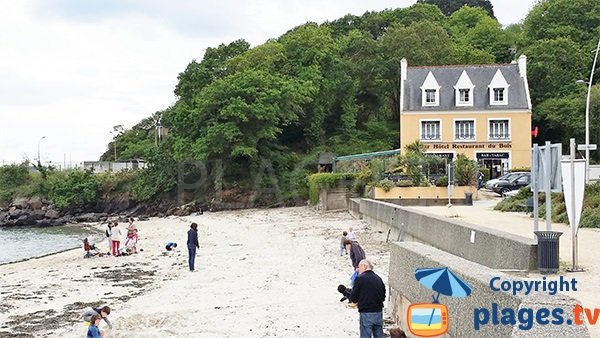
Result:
{"points": [[587, 115], [38, 157], [117, 130]]}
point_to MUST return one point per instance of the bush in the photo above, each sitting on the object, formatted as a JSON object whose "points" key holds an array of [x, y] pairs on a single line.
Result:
{"points": [[512, 204], [442, 181], [75, 189], [385, 184], [465, 172], [316, 182], [590, 218], [405, 183], [11, 178], [114, 182]]}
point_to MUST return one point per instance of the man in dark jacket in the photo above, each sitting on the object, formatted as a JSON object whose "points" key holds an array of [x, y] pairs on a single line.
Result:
{"points": [[369, 292], [357, 253], [192, 244]]}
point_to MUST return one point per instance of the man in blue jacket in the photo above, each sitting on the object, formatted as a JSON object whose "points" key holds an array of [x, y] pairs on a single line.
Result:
{"points": [[192, 244], [369, 292]]}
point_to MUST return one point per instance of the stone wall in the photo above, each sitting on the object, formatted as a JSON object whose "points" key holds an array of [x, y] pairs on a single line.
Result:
{"points": [[404, 289], [495, 249]]}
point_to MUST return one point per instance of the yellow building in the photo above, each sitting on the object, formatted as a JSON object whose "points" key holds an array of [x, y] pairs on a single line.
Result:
{"points": [[482, 111]]}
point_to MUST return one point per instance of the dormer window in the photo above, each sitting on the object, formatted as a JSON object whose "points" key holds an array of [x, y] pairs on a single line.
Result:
{"points": [[498, 90], [464, 96], [430, 91], [464, 90], [430, 95], [498, 95]]}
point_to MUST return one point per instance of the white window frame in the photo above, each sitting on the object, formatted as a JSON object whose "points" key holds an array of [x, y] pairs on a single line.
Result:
{"points": [[421, 130], [498, 82], [474, 139], [430, 83], [493, 100], [436, 97], [489, 129]]}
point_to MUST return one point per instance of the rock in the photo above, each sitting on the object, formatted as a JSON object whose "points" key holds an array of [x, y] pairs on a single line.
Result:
{"points": [[52, 214], [91, 217], [20, 203], [142, 218], [14, 213], [35, 203]]}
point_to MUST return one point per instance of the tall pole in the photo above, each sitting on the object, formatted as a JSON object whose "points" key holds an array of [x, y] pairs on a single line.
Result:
{"points": [[573, 210], [548, 191], [38, 157], [587, 118]]}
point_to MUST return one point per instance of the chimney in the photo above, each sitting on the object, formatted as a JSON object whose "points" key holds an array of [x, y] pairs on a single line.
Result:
{"points": [[522, 65], [403, 67]]}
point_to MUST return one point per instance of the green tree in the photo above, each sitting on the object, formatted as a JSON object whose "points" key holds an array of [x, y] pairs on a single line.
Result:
{"points": [[472, 27], [553, 67], [450, 6], [574, 20], [213, 66], [78, 188]]}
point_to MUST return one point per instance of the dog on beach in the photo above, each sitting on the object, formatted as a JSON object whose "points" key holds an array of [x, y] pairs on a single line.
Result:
{"points": [[345, 292]]}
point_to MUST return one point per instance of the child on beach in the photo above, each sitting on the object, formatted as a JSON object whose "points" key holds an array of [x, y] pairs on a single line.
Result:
{"points": [[93, 331], [102, 312], [351, 236], [342, 246]]}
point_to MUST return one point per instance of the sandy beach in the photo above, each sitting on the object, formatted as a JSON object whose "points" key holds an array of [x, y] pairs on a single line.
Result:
{"points": [[260, 273]]}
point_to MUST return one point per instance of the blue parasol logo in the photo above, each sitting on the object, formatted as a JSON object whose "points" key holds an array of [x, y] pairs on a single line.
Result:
{"points": [[428, 320]]}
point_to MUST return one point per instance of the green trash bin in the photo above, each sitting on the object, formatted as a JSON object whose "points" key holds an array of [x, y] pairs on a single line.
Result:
{"points": [[547, 250]]}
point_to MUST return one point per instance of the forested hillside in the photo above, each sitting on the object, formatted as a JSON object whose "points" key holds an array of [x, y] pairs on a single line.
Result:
{"points": [[247, 119]]}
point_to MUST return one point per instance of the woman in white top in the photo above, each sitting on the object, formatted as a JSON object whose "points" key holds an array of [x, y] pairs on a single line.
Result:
{"points": [[115, 236]]}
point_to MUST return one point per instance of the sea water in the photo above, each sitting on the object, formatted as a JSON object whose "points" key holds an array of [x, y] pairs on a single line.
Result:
{"points": [[20, 243]]}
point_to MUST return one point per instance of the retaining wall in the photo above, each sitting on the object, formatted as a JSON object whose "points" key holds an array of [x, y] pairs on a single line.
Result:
{"points": [[494, 249]]}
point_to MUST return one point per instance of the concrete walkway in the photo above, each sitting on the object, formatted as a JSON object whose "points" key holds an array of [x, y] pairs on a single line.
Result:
{"points": [[482, 214]]}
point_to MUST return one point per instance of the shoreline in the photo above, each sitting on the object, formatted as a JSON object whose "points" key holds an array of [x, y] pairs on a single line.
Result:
{"points": [[262, 272], [93, 228]]}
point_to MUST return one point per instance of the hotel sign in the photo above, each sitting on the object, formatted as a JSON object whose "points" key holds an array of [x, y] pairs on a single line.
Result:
{"points": [[475, 145]]}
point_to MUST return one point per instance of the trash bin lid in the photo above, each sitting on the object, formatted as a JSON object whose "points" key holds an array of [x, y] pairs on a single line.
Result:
{"points": [[547, 234]]}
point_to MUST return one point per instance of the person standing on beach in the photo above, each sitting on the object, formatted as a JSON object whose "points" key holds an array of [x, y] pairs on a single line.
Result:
{"points": [[369, 293], [342, 246], [192, 244], [115, 236], [356, 252], [108, 233], [351, 235]]}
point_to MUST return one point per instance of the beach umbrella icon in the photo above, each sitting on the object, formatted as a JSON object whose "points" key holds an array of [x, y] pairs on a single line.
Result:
{"points": [[443, 281]]}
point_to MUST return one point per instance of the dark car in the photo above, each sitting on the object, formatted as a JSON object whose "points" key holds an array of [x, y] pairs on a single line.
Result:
{"points": [[501, 187], [489, 185]]}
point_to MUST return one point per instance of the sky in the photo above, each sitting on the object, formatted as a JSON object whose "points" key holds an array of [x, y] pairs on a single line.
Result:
{"points": [[70, 70]]}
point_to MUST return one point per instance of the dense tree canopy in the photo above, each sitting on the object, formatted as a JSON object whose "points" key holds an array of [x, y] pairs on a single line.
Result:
{"points": [[273, 108]]}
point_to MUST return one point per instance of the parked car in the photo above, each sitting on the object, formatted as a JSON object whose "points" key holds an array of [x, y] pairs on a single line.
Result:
{"points": [[506, 177], [515, 192], [501, 187]]}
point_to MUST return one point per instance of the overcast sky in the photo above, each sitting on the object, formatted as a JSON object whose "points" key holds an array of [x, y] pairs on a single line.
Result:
{"points": [[72, 69]]}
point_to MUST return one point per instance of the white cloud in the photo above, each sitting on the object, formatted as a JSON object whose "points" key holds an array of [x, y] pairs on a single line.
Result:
{"points": [[71, 69]]}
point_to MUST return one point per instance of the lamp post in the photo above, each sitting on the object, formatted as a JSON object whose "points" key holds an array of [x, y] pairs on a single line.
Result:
{"points": [[587, 115], [117, 130], [38, 157]]}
